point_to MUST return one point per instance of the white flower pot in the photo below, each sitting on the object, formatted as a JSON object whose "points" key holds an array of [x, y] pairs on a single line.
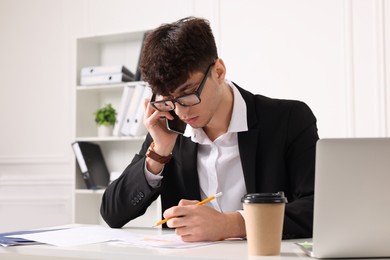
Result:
{"points": [[104, 131]]}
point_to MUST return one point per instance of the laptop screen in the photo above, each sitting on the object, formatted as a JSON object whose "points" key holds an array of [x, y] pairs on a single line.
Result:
{"points": [[352, 198]]}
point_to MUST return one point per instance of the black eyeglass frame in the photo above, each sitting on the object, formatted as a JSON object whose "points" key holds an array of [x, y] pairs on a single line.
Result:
{"points": [[197, 93]]}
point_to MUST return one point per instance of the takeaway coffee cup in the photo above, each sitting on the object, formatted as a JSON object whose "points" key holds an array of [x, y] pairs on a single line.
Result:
{"points": [[264, 214]]}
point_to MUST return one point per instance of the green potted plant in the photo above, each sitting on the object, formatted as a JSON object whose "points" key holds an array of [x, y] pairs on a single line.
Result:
{"points": [[105, 118]]}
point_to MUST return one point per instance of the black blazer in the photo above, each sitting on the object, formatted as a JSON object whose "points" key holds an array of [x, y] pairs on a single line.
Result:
{"points": [[277, 154]]}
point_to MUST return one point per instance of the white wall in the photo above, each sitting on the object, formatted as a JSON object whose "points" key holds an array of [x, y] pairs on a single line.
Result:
{"points": [[35, 105], [329, 54], [332, 54]]}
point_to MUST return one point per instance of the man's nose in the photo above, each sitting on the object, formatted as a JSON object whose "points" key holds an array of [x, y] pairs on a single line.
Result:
{"points": [[181, 111]]}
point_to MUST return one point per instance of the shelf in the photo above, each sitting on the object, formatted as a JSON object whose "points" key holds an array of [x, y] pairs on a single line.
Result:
{"points": [[105, 50], [113, 37], [111, 138], [112, 49], [109, 87], [86, 191], [101, 87], [89, 99]]}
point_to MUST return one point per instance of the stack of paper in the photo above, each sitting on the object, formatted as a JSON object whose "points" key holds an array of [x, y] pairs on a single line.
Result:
{"points": [[97, 234], [16, 238]]}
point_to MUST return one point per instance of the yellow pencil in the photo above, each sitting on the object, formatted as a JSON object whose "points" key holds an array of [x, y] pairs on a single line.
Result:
{"points": [[198, 204]]}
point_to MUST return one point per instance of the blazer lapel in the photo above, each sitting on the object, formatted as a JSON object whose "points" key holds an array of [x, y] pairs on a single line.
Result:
{"points": [[189, 165], [247, 145], [248, 142]]}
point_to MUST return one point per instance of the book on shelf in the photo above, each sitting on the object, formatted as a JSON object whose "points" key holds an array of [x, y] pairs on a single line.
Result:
{"points": [[137, 127], [105, 79], [106, 70], [122, 111], [137, 76], [135, 102], [92, 165]]}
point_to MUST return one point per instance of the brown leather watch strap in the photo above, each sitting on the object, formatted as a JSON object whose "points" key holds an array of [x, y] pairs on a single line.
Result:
{"points": [[156, 157]]}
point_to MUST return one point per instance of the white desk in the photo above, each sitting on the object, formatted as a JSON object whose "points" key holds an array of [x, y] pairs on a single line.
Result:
{"points": [[117, 251]]}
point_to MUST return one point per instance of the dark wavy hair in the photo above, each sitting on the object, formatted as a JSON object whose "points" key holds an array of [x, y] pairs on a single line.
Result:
{"points": [[173, 51]]}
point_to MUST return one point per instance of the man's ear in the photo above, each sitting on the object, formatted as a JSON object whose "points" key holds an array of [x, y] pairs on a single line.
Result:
{"points": [[220, 70]]}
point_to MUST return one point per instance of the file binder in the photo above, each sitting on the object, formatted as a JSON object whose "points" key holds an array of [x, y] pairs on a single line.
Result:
{"points": [[132, 108], [122, 112], [105, 79], [91, 163], [138, 76], [137, 127], [101, 70]]}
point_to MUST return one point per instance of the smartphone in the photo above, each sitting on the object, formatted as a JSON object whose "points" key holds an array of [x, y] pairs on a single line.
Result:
{"points": [[176, 125]]}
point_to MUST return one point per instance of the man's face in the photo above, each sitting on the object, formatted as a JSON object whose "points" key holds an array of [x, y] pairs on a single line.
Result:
{"points": [[200, 114]]}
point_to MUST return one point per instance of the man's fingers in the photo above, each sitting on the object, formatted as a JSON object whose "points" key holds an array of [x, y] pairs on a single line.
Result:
{"points": [[184, 202]]}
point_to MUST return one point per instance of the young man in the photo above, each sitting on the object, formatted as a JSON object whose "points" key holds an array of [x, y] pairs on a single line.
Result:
{"points": [[235, 143]]}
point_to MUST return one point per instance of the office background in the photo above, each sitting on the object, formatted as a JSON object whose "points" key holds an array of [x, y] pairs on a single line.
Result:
{"points": [[332, 54]]}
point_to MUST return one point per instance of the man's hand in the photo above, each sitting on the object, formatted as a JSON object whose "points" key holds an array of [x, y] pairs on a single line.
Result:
{"points": [[164, 140], [202, 223], [155, 123]]}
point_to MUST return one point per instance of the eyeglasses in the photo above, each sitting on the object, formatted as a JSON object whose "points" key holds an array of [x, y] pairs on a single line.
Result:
{"points": [[186, 100]]}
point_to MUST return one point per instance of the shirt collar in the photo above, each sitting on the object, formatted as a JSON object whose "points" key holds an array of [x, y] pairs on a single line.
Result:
{"points": [[238, 121]]}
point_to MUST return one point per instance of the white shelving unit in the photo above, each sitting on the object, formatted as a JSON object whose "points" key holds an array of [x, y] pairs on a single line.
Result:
{"points": [[105, 50]]}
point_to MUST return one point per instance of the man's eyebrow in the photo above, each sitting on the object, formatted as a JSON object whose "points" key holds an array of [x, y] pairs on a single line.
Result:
{"points": [[184, 87]]}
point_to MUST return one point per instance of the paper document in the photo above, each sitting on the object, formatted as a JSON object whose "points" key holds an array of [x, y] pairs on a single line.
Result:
{"points": [[163, 241], [6, 240], [75, 236], [97, 234]]}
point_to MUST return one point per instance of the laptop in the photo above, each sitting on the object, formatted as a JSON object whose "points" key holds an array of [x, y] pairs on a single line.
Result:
{"points": [[352, 199]]}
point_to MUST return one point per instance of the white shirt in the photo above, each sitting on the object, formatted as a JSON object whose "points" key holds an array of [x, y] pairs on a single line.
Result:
{"points": [[219, 164]]}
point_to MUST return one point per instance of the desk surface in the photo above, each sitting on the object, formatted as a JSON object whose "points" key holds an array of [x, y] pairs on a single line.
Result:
{"points": [[226, 250], [116, 250]]}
